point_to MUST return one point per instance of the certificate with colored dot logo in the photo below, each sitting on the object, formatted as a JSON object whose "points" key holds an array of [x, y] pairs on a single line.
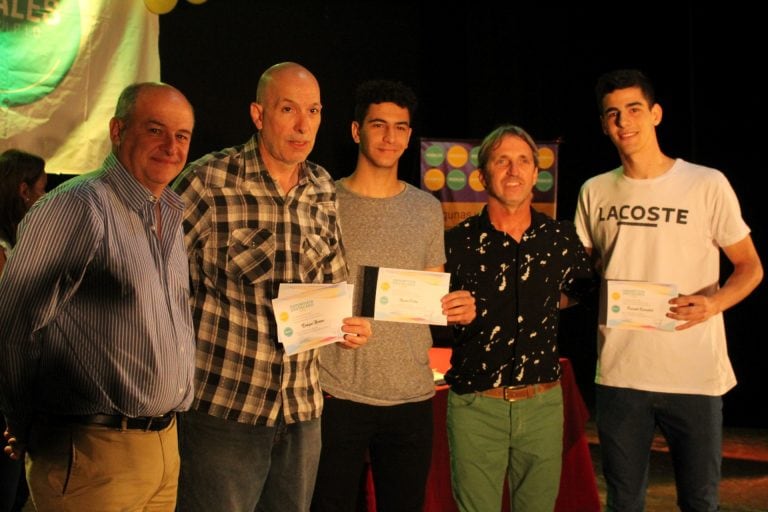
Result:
{"points": [[639, 305], [311, 315], [401, 295]]}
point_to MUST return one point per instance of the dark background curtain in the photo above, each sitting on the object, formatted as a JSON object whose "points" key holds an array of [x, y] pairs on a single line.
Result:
{"points": [[483, 64]]}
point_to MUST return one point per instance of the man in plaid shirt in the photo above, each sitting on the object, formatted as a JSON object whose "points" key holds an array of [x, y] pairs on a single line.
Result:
{"points": [[257, 215]]}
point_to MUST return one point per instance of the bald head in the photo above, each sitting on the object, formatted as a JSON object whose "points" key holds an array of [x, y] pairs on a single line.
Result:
{"points": [[126, 103], [278, 72], [287, 115]]}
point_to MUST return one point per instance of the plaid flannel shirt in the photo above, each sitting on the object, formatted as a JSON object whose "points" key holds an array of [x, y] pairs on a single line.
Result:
{"points": [[244, 238]]}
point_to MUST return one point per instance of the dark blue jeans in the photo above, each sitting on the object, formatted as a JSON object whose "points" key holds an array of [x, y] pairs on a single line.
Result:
{"points": [[399, 441], [234, 467], [692, 426]]}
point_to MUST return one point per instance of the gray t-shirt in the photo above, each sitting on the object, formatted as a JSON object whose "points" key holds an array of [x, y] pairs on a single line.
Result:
{"points": [[403, 231]]}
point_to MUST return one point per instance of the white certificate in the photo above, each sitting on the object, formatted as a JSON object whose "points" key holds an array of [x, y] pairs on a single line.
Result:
{"points": [[639, 305], [310, 316], [411, 296]]}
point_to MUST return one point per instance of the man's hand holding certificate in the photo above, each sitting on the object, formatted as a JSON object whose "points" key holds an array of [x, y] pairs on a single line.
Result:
{"points": [[639, 305], [410, 296], [310, 316]]}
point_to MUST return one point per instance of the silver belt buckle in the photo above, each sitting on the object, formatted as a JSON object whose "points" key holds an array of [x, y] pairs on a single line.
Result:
{"points": [[511, 388]]}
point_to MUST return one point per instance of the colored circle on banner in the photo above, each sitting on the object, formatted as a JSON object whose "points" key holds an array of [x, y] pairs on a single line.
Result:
{"points": [[434, 155], [474, 181], [456, 179], [160, 6], [546, 158], [457, 156], [545, 182], [473, 153], [434, 179], [37, 49]]}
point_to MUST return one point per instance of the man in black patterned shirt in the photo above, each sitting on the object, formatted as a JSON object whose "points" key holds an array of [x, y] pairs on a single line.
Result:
{"points": [[505, 405], [258, 215]]}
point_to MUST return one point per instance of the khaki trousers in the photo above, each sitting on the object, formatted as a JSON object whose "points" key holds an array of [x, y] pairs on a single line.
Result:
{"points": [[82, 468]]}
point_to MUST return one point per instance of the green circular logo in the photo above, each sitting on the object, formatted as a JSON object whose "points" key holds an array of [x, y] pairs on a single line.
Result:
{"points": [[615, 309], [456, 179], [473, 155], [288, 332], [38, 44], [434, 155], [545, 182]]}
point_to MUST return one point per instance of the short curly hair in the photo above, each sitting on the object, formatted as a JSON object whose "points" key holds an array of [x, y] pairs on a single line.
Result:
{"points": [[383, 91]]}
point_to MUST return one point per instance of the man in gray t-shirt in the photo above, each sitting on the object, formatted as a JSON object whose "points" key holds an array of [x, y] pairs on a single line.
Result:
{"points": [[378, 398]]}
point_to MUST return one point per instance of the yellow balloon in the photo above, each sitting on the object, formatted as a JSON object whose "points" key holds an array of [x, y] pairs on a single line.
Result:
{"points": [[196, 2], [160, 6]]}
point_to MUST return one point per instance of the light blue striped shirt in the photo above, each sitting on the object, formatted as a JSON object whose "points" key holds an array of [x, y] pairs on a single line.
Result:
{"points": [[94, 308]]}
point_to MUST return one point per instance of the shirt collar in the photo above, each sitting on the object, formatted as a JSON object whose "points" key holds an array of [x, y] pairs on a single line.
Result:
{"points": [[251, 154], [135, 195], [538, 219]]}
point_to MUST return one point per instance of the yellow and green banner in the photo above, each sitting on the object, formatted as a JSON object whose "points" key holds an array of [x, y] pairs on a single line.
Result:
{"points": [[63, 64]]}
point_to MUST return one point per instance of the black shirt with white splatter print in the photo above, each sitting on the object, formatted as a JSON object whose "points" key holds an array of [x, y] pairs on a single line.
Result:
{"points": [[513, 340]]}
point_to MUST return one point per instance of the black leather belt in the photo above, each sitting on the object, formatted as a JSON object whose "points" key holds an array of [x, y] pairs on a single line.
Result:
{"points": [[146, 423]]}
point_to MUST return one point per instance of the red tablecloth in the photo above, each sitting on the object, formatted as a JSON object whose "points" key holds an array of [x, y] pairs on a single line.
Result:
{"points": [[578, 488]]}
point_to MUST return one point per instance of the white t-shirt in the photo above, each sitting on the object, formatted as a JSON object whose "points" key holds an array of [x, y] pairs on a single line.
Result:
{"points": [[667, 229]]}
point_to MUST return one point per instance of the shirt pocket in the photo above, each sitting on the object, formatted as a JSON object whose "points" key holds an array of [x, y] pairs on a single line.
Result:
{"points": [[315, 258], [251, 255]]}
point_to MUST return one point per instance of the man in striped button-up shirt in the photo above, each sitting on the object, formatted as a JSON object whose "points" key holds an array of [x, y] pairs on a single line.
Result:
{"points": [[97, 336], [257, 215]]}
